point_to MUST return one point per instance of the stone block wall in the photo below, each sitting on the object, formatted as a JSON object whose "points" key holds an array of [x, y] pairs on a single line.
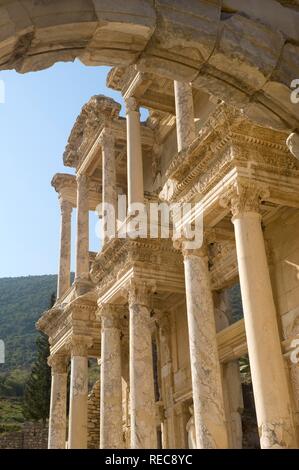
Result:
{"points": [[93, 425], [32, 436]]}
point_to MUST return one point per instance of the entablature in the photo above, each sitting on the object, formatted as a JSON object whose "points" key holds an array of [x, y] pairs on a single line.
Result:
{"points": [[66, 186]]}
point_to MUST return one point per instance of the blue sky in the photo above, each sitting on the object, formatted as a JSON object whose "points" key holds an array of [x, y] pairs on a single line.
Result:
{"points": [[36, 119]]}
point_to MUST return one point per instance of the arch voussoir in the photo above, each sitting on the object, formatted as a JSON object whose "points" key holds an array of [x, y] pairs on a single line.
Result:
{"points": [[246, 61]]}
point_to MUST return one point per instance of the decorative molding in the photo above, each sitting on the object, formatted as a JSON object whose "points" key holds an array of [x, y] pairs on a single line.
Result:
{"points": [[94, 115], [132, 105], [244, 197], [58, 363], [79, 345]]}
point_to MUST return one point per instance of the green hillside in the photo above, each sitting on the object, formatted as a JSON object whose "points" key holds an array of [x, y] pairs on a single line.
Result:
{"points": [[22, 301]]}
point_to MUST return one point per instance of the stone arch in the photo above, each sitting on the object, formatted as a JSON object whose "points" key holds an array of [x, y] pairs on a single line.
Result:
{"points": [[238, 51]]}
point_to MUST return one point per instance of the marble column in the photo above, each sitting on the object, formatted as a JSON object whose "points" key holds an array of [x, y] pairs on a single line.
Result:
{"points": [[134, 153], [111, 435], [57, 419], [168, 435], [184, 109], [209, 414], [234, 405], [142, 396], [109, 194], [271, 394], [78, 393], [232, 386], [64, 275], [82, 247]]}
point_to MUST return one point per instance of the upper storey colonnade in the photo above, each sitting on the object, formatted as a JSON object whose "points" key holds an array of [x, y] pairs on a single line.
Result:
{"points": [[110, 154]]}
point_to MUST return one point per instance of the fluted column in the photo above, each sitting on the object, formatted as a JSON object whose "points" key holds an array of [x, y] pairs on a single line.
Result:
{"points": [[134, 153], [111, 386], [82, 248], [184, 108], [64, 275], [78, 393], [209, 414], [57, 418], [271, 394], [142, 396]]}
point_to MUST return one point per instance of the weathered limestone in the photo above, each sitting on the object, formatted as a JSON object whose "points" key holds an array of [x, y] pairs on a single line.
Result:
{"points": [[143, 412], [184, 114], [78, 393], [111, 435], [65, 248], [82, 260], [270, 386], [209, 416], [134, 153], [57, 419]]}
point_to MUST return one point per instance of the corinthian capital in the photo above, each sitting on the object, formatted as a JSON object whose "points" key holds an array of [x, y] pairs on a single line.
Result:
{"points": [[183, 244], [82, 180], [140, 293], [58, 363], [131, 104], [79, 345], [107, 138], [110, 315], [244, 197]]}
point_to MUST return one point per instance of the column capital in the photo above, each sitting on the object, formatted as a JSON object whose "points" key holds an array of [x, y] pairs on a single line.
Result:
{"points": [[181, 243], [66, 207], [79, 345], [244, 197], [82, 179], [132, 104], [110, 315], [107, 138], [140, 293], [58, 363]]}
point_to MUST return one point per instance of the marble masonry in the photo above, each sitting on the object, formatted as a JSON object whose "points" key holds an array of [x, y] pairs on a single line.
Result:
{"points": [[194, 347]]}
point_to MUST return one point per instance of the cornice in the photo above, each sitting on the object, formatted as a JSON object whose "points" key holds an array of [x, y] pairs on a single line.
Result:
{"points": [[122, 254], [62, 181], [227, 140], [94, 115]]}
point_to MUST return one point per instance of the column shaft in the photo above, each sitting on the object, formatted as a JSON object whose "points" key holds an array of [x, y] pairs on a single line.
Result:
{"points": [[184, 114], [143, 411], [134, 153], [65, 249], [209, 415], [269, 381], [78, 397], [82, 249], [108, 167], [57, 419], [111, 436], [109, 193]]}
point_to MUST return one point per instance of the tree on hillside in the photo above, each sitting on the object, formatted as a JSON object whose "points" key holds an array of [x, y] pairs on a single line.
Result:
{"points": [[36, 402]]}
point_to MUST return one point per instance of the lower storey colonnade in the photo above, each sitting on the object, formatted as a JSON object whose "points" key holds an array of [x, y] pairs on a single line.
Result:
{"points": [[214, 398]]}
